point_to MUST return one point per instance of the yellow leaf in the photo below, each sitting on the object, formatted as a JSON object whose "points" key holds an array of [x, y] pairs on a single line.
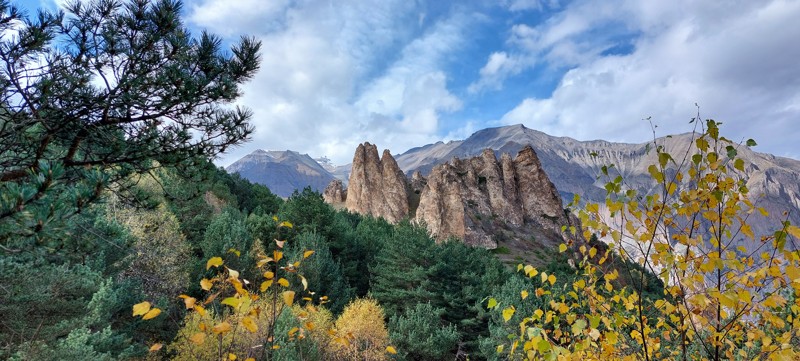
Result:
{"points": [[307, 254], [492, 303], [231, 357], [508, 313], [221, 328], [141, 308], [288, 297], [794, 231], [206, 284], [594, 334], [286, 224], [611, 337], [671, 188], [214, 262], [199, 309], [283, 282], [793, 273], [747, 231], [233, 273], [156, 347], [524, 294], [551, 279], [249, 359], [235, 251], [305, 283], [249, 324], [232, 301], [562, 248], [269, 275], [263, 261], [198, 338], [391, 350], [188, 301], [277, 255], [151, 314], [275, 347], [265, 285]]}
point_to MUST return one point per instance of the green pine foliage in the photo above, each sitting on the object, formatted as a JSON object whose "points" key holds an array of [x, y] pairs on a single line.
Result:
{"points": [[322, 271], [101, 91], [227, 233], [411, 269], [421, 334]]}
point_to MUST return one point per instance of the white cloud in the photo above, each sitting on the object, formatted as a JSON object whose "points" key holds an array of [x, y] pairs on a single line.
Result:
{"points": [[740, 66], [523, 5], [228, 18], [325, 84], [499, 67], [561, 41]]}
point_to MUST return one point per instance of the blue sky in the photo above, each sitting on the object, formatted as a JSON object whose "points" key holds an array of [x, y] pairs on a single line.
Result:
{"points": [[404, 73]]}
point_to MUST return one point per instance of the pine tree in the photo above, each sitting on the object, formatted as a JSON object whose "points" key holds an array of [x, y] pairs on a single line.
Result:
{"points": [[103, 90]]}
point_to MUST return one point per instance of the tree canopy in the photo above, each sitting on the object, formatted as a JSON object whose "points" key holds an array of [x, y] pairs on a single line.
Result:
{"points": [[102, 90]]}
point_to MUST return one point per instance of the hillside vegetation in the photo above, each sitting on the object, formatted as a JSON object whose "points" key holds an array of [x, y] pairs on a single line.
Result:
{"points": [[120, 240]]}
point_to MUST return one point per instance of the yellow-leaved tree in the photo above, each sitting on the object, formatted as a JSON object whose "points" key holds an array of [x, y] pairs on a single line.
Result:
{"points": [[727, 292], [360, 332], [239, 318]]}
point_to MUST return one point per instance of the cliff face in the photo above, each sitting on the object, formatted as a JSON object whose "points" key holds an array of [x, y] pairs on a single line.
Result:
{"points": [[377, 186], [477, 198], [334, 193], [473, 199]]}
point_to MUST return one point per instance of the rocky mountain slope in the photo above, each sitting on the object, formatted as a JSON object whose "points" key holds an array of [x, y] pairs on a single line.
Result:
{"points": [[482, 200], [377, 186], [282, 171], [573, 166]]}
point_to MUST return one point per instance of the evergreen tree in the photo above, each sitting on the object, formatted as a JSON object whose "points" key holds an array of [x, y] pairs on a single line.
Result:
{"points": [[308, 212], [355, 242], [400, 276], [103, 90], [225, 236], [421, 334], [323, 274]]}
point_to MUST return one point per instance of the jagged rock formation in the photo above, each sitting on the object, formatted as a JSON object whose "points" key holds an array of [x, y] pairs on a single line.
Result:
{"points": [[334, 193], [472, 199], [377, 186], [418, 182], [282, 172], [573, 165], [475, 198]]}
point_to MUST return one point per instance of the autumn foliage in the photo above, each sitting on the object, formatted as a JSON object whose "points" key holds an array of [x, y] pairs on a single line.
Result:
{"points": [[727, 293]]}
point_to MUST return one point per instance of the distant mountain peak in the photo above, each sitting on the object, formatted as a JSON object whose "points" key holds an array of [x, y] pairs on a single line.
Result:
{"points": [[282, 171]]}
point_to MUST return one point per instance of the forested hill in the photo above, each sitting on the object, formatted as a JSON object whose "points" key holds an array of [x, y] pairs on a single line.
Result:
{"points": [[78, 300]]}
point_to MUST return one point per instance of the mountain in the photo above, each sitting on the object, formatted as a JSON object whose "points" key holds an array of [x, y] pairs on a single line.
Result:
{"points": [[282, 171], [573, 166], [485, 202]]}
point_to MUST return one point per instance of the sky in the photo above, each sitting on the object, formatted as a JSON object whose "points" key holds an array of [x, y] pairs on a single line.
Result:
{"points": [[405, 73]]}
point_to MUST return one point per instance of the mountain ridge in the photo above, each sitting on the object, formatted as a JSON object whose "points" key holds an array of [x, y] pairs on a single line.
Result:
{"points": [[282, 172]]}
